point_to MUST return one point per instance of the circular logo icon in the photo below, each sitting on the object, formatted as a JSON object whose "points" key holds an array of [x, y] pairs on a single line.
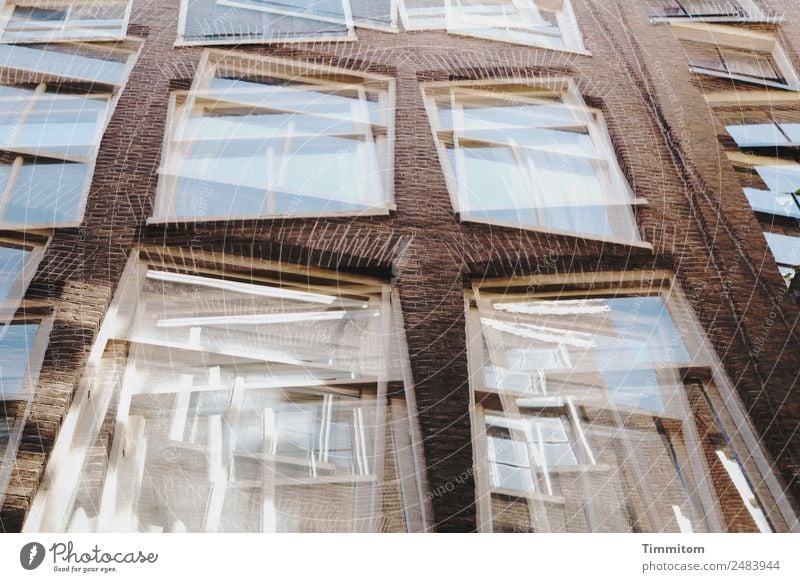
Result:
{"points": [[31, 555]]}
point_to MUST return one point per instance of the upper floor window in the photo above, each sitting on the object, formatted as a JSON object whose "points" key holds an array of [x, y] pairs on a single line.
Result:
{"points": [[545, 23], [738, 55], [772, 186], [599, 407], [766, 135], [29, 21], [22, 346], [264, 21], [267, 137], [52, 118], [530, 155], [19, 258], [785, 248], [423, 14], [248, 396], [713, 11]]}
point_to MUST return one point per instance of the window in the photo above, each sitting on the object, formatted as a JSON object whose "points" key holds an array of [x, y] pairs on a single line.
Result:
{"points": [[18, 261], [765, 135], [772, 186], [530, 156], [736, 54], [786, 250], [22, 346], [266, 137], [423, 14], [29, 21], [545, 23], [52, 119], [598, 407], [713, 11], [248, 397], [263, 21]]}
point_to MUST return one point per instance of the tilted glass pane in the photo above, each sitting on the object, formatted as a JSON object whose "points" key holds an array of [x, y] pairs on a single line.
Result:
{"points": [[276, 146], [785, 248], [530, 22], [781, 178], [46, 193], [82, 63], [242, 406], [757, 134], [12, 262], [777, 203], [67, 21], [793, 131], [232, 23], [613, 349], [16, 342], [423, 14], [612, 420], [55, 124], [523, 156]]}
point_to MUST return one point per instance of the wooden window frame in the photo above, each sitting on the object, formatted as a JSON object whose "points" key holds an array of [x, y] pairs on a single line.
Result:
{"points": [[591, 118], [51, 507], [8, 7], [278, 68], [130, 48], [765, 45], [719, 391]]}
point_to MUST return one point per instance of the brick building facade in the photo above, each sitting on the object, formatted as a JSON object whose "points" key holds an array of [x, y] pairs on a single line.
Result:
{"points": [[666, 126]]}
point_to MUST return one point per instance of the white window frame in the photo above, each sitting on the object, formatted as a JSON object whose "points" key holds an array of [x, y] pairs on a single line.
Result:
{"points": [[571, 97], [348, 16], [36, 250], [743, 160], [723, 399], [312, 74], [729, 37], [753, 13], [52, 505], [183, 41], [7, 10], [567, 25], [25, 396], [131, 48]]}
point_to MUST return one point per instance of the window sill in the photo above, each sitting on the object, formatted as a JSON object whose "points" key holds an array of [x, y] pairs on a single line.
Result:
{"points": [[233, 42], [776, 19], [156, 220], [460, 218]]}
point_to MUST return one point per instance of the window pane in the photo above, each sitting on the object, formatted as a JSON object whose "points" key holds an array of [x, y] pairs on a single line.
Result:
{"points": [[532, 22], [81, 64], [274, 146], [248, 406], [779, 204], [423, 14], [55, 124], [12, 261], [757, 134], [786, 249], [611, 424], [793, 131], [67, 21], [46, 193], [16, 342], [231, 23], [783, 178], [525, 156]]}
